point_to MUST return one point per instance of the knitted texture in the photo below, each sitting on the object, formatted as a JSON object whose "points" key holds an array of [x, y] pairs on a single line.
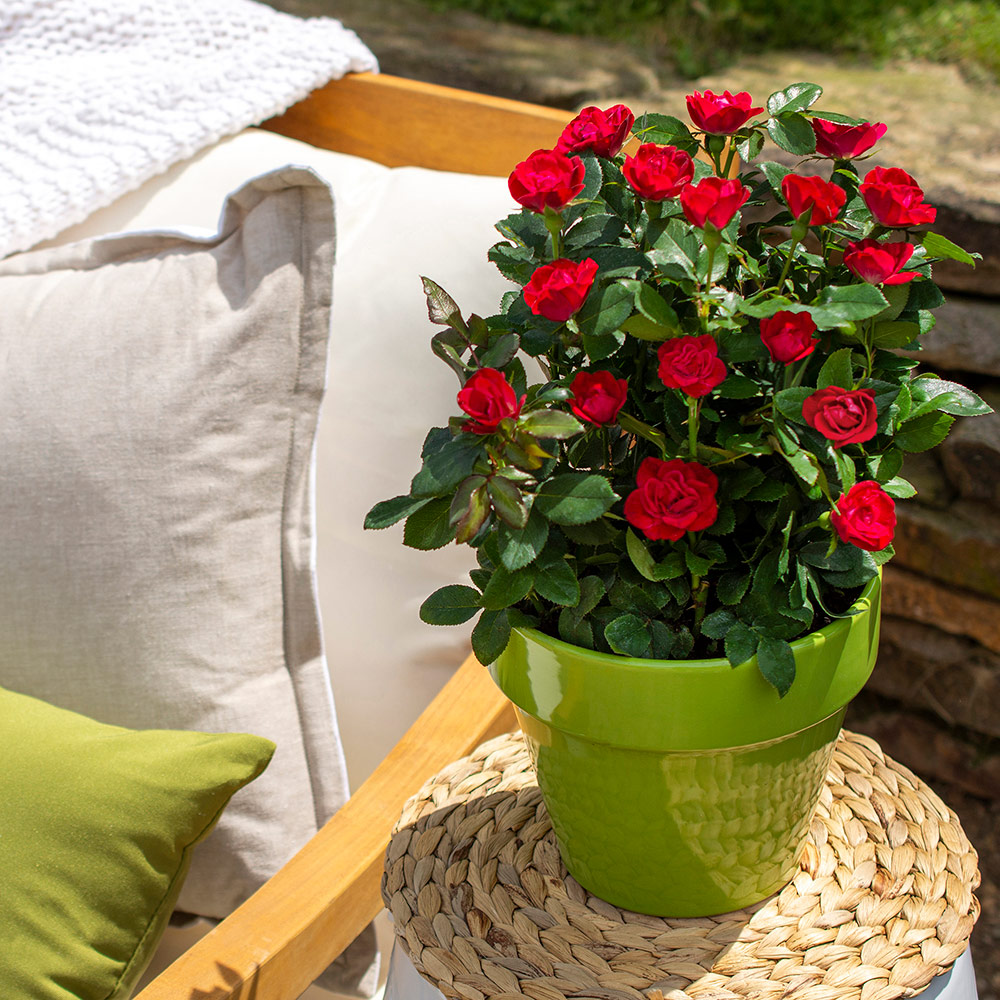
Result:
{"points": [[97, 96]]}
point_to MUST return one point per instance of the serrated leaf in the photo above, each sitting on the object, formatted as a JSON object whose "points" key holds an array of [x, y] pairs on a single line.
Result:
{"points": [[923, 432], [639, 554], [653, 306], [605, 311], [697, 565], [645, 329], [628, 635], [451, 605], [892, 334], [732, 586], [388, 512], [515, 263], [739, 387], [575, 498], [446, 467], [795, 97], [718, 623], [838, 305], [777, 663], [949, 397], [442, 309], [775, 173], [519, 547], [899, 488], [490, 636], [469, 508], [749, 147], [501, 350], [941, 247], [551, 424], [837, 370], [603, 345], [448, 346], [576, 631], [788, 402], [507, 501], [506, 587], [556, 582], [740, 644], [429, 527]]}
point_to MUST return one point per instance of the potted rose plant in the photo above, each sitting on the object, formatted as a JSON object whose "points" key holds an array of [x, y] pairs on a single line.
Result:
{"points": [[681, 497]]}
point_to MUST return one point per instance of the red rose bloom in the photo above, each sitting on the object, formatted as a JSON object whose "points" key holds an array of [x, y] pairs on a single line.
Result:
{"points": [[488, 398], [557, 290], [597, 396], [805, 193], [671, 498], [879, 263], [546, 178], [865, 516], [604, 132], [713, 200], [658, 172], [843, 142], [789, 336], [843, 416], [895, 198], [691, 364], [721, 114]]}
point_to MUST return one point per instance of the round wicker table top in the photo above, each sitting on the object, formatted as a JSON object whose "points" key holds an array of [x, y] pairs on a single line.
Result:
{"points": [[482, 903]]}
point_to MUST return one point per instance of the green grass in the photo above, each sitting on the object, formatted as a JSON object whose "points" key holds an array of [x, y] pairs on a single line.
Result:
{"points": [[698, 36]]}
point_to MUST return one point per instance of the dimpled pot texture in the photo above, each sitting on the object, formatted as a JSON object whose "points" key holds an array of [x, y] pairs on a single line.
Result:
{"points": [[684, 788]]}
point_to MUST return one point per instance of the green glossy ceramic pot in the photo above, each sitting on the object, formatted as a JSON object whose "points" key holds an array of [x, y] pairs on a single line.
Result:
{"points": [[684, 788]]}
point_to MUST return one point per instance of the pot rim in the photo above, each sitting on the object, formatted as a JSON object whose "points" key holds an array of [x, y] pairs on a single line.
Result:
{"points": [[684, 705]]}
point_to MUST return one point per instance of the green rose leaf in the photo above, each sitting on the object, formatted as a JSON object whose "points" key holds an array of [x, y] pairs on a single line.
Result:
{"points": [[837, 370], [451, 605], [605, 311], [653, 306], [447, 462], [507, 501], [924, 432], [793, 133], [738, 387], [389, 512], [469, 508], [628, 635], [645, 329], [838, 305], [892, 334], [556, 581], [442, 309], [732, 586], [740, 644], [506, 588], [490, 636], [665, 130], [551, 424], [515, 263], [788, 402], [575, 498], [501, 350], [899, 488], [519, 547], [430, 526], [947, 396], [777, 663], [795, 97], [749, 146], [942, 248], [775, 173], [718, 623]]}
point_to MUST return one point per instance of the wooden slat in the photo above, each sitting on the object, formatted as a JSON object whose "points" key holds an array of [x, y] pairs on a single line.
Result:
{"points": [[277, 942], [406, 123]]}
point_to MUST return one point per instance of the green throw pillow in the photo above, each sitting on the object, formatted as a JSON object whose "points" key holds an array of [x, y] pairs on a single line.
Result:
{"points": [[97, 825]]}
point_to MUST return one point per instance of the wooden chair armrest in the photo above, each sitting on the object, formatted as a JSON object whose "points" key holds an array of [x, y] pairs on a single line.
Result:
{"points": [[401, 122], [281, 938]]}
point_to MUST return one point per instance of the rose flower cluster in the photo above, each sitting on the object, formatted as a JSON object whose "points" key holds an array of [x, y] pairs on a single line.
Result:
{"points": [[710, 461]]}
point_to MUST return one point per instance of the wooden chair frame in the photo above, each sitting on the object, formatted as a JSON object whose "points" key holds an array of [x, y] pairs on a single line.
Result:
{"points": [[276, 943]]}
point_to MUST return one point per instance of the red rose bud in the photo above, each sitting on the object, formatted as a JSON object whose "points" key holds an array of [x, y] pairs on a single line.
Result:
{"points": [[843, 416], [691, 364], [714, 200], [789, 336], [658, 172], [879, 263], [844, 142], [895, 198], [865, 516], [547, 178], [557, 290], [721, 114], [672, 498], [597, 396], [805, 193], [603, 132], [488, 398]]}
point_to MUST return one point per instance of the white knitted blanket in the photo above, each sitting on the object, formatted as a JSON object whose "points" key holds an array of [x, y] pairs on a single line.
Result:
{"points": [[97, 96]]}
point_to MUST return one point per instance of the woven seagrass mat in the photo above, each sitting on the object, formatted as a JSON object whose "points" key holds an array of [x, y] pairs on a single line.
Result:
{"points": [[882, 903]]}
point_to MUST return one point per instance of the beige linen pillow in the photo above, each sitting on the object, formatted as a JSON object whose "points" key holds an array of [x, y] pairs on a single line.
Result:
{"points": [[158, 407], [386, 389]]}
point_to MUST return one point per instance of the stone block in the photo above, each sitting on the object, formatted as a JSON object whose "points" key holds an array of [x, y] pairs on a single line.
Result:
{"points": [[934, 751], [958, 546], [971, 453], [955, 678], [958, 612]]}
